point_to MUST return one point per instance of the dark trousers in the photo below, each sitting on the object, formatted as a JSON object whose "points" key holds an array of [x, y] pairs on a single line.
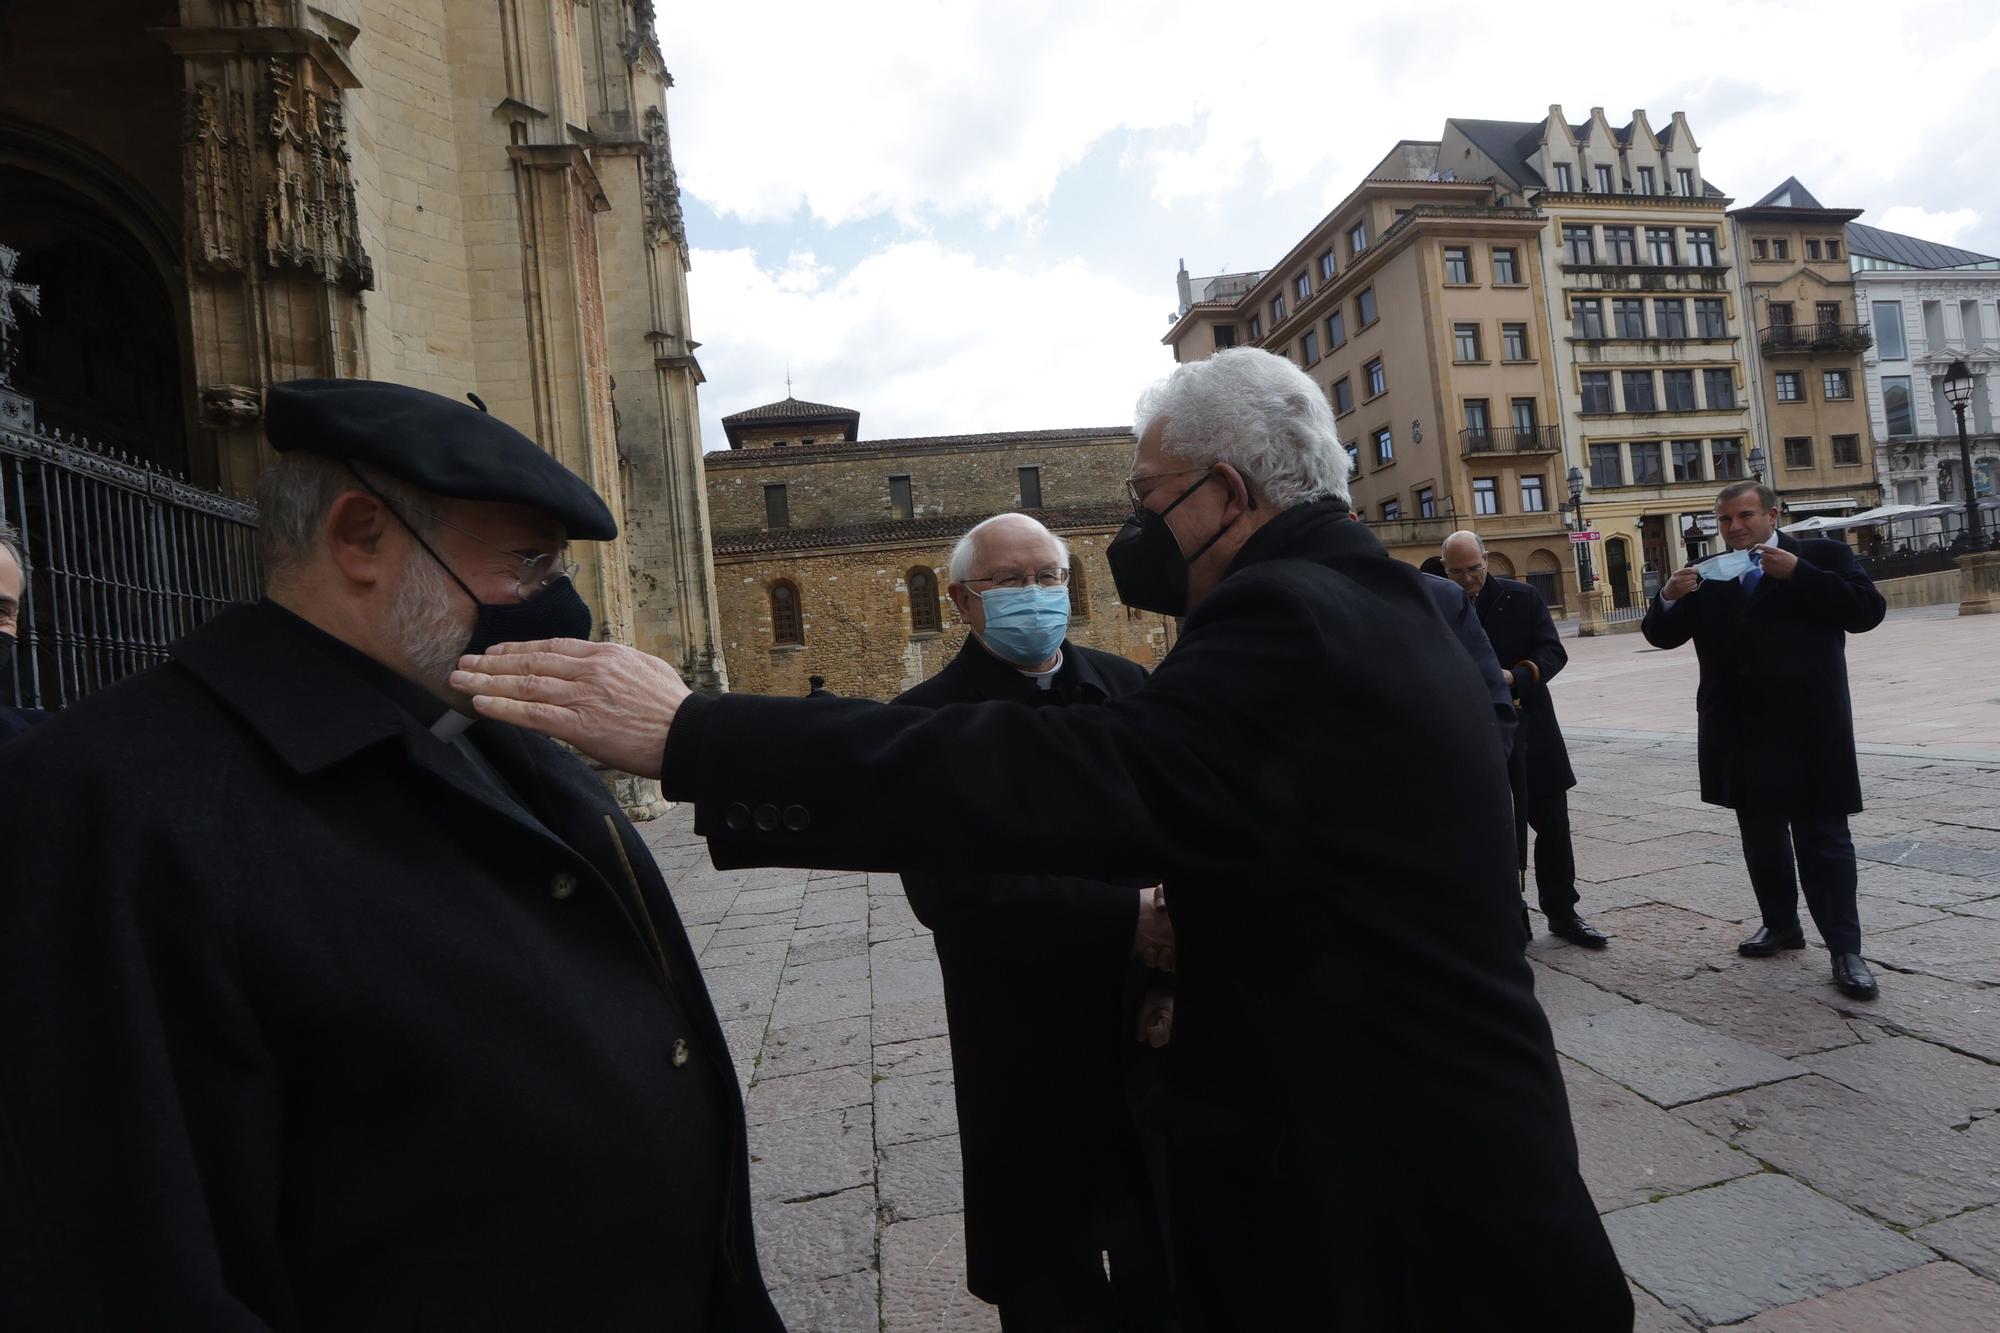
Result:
{"points": [[1555, 858], [1825, 869]]}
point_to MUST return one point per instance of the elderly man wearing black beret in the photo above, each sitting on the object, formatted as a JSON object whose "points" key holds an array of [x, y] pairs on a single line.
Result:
{"points": [[329, 1007]]}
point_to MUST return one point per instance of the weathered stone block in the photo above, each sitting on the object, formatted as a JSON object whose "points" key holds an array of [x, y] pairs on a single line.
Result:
{"points": [[1665, 1058]]}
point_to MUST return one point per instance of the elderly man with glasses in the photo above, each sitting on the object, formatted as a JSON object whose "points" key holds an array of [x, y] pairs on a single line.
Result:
{"points": [[1368, 1129], [1056, 1016], [331, 1007]]}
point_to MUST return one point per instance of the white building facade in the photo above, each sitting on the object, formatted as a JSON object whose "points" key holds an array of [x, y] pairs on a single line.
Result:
{"points": [[1927, 306]]}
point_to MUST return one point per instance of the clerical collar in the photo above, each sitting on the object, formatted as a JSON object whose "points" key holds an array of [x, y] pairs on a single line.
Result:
{"points": [[1045, 679]]}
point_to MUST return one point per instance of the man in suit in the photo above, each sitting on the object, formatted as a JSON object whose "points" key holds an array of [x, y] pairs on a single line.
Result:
{"points": [[1039, 976], [331, 1007], [1770, 626], [14, 719], [1530, 654], [1365, 1094]]}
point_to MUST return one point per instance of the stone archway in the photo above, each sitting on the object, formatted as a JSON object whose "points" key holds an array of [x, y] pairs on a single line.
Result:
{"points": [[109, 355], [1497, 563]]}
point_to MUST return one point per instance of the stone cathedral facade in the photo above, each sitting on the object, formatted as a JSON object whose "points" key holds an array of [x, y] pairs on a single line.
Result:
{"points": [[471, 196]]}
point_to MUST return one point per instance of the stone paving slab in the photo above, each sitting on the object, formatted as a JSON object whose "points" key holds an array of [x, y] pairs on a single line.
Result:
{"points": [[818, 1238], [1750, 1245], [918, 1106], [1563, 996], [1972, 1238], [830, 1305], [1937, 1298], [1957, 949], [1666, 1059], [1764, 1006], [1632, 1152], [923, 1280], [1869, 1152], [809, 1046], [1932, 1085], [921, 1179], [1952, 1014], [1917, 855], [814, 1155]]}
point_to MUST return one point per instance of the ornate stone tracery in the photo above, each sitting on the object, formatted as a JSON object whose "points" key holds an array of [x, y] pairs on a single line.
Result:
{"points": [[662, 187], [308, 214]]}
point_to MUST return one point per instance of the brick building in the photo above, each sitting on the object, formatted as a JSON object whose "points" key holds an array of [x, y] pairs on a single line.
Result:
{"points": [[830, 550]]}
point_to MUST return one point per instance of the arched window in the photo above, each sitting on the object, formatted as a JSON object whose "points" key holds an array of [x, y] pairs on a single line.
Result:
{"points": [[1545, 576], [1079, 590], [787, 621], [1497, 563], [925, 617]]}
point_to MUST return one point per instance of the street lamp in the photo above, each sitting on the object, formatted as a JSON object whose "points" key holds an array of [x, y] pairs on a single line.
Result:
{"points": [[1757, 462], [1958, 391], [1584, 578]]}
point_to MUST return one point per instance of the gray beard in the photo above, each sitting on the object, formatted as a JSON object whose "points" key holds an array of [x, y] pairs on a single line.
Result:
{"points": [[429, 630]]}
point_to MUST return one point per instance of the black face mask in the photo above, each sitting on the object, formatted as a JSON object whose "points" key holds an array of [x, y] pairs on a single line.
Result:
{"points": [[1147, 566], [556, 612]]}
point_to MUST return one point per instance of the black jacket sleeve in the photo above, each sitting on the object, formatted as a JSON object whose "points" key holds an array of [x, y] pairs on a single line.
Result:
{"points": [[1670, 626], [1545, 654], [1130, 788], [1838, 592]]}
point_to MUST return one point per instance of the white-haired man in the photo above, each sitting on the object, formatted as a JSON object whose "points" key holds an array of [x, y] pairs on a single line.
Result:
{"points": [[1041, 973], [1369, 1126], [330, 1007]]}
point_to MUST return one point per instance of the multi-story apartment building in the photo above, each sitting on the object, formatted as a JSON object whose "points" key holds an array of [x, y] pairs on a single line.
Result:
{"points": [[1647, 332], [1798, 291], [1417, 305], [1926, 306], [831, 550]]}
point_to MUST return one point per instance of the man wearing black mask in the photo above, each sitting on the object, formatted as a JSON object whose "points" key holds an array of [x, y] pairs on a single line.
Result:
{"points": [[1365, 1093], [360, 1013]]}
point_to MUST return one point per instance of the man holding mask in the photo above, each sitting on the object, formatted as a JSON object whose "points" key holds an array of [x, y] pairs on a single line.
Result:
{"points": [[331, 1007], [1043, 985], [1770, 618], [1365, 1093]]}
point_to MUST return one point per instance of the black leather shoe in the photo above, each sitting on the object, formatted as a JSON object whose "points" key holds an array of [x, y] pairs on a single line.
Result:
{"points": [[1578, 932], [1851, 974], [1767, 941]]}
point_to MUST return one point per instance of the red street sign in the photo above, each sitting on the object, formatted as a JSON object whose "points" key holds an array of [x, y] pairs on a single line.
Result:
{"points": [[1586, 536]]}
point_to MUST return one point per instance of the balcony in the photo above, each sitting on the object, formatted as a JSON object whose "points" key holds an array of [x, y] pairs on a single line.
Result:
{"points": [[1645, 277], [1811, 339], [1509, 440]]}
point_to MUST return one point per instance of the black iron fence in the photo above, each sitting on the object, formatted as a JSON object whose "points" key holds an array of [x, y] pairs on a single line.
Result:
{"points": [[1902, 564], [123, 560]]}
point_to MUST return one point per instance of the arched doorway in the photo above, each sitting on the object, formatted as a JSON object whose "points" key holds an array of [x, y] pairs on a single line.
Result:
{"points": [[1497, 563], [103, 357], [1545, 576], [1618, 571]]}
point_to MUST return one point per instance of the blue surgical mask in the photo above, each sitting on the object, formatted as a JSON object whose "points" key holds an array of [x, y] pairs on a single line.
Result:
{"points": [[1025, 626], [1728, 565]]}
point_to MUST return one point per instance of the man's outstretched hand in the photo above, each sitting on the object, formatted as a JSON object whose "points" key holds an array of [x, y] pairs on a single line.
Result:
{"points": [[612, 702]]}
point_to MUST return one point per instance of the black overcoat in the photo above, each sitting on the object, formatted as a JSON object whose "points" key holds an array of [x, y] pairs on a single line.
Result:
{"points": [[1524, 638], [1370, 1130], [1775, 722], [312, 1026], [1035, 983]]}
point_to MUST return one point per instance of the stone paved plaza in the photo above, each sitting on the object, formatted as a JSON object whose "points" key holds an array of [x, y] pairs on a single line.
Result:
{"points": [[1767, 1154]]}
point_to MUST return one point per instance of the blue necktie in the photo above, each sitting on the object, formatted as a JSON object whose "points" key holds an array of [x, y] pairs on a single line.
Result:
{"points": [[1750, 578]]}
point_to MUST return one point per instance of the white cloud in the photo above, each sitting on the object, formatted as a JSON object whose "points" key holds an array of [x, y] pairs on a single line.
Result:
{"points": [[922, 339], [911, 108], [1944, 228]]}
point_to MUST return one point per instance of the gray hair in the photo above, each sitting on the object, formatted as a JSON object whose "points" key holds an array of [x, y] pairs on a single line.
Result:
{"points": [[1258, 413], [1765, 495], [962, 561], [295, 495], [10, 541], [1463, 534]]}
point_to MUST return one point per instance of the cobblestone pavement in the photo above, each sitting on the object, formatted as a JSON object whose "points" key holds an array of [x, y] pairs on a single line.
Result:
{"points": [[1767, 1154]]}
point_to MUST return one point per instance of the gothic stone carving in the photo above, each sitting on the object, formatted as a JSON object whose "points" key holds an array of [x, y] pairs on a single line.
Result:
{"points": [[308, 214], [216, 175], [662, 188], [230, 404]]}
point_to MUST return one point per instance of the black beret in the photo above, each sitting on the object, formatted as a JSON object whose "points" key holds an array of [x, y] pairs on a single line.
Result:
{"points": [[436, 443]]}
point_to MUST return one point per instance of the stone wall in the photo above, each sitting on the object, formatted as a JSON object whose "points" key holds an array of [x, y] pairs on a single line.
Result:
{"points": [[856, 609], [851, 485]]}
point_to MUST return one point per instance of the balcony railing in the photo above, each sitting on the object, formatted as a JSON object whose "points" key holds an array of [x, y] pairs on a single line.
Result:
{"points": [[1510, 440], [1810, 338], [1645, 277]]}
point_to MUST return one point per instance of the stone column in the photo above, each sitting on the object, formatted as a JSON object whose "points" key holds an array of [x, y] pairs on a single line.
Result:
{"points": [[1979, 584], [275, 266]]}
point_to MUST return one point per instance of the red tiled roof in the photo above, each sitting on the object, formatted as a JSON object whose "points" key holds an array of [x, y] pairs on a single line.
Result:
{"points": [[928, 528], [790, 409]]}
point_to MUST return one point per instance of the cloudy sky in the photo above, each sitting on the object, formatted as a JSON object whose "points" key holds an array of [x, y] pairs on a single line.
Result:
{"points": [[962, 217]]}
